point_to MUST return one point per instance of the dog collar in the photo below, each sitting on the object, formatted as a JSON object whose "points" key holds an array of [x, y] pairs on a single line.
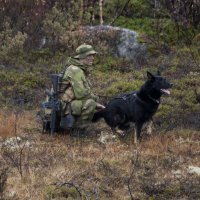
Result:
{"points": [[154, 100]]}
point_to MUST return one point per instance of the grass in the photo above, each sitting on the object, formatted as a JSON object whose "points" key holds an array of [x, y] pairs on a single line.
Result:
{"points": [[64, 167], [48, 167]]}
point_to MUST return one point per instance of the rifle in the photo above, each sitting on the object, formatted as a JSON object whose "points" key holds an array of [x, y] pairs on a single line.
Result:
{"points": [[54, 102]]}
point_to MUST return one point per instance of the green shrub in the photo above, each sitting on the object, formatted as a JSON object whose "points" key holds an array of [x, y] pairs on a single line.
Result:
{"points": [[122, 87], [62, 192], [11, 44], [135, 8]]}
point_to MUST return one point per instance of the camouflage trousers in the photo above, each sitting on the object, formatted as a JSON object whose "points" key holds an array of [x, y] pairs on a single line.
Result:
{"points": [[83, 110]]}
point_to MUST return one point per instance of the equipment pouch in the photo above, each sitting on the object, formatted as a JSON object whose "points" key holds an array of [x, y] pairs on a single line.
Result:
{"points": [[63, 85], [68, 95]]}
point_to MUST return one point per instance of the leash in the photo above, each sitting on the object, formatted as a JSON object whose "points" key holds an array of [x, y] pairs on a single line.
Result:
{"points": [[104, 96], [124, 97]]}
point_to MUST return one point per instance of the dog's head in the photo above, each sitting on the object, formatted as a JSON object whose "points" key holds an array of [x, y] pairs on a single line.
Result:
{"points": [[159, 83]]}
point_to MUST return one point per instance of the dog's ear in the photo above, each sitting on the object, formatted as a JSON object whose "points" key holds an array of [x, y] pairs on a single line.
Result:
{"points": [[158, 73], [150, 76]]}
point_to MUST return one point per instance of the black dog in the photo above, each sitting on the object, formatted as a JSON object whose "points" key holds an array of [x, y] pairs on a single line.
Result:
{"points": [[137, 107]]}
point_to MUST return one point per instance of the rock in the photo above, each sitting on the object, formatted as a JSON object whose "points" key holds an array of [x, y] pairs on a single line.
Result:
{"points": [[194, 170], [11, 194], [14, 143], [122, 42], [125, 45]]}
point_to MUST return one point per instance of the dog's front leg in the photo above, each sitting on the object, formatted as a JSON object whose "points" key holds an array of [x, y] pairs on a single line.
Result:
{"points": [[149, 126], [119, 132], [138, 128]]}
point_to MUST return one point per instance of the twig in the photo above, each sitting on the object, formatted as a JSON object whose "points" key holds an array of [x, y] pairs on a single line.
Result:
{"points": [[131, 175], [129, 189], [96, 193], [3, 180], [21, 149]]}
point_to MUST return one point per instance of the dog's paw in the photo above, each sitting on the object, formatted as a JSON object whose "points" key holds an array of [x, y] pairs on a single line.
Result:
{"points": [[120, 133]]}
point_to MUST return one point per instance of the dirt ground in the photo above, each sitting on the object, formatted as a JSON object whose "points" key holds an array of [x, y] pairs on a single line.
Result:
{"points": [[39, 166]]}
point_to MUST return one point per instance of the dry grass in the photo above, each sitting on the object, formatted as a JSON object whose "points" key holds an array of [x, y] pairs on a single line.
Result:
{"points": [[63, 167], [8, 120], [7, 124]]}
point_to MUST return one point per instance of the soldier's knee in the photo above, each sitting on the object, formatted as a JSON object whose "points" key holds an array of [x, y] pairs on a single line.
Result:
{"points": [[89, 104]]}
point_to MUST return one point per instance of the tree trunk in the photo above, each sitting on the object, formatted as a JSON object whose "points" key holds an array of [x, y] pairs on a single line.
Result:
{"points": [[101, 11], [81, 11]]}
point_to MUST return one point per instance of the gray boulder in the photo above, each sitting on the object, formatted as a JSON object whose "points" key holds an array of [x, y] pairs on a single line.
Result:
{"points": [[125, 42]]}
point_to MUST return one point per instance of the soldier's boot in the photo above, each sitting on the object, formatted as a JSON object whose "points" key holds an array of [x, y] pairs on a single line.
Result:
{"points": [[67, 122], [78, 132]]}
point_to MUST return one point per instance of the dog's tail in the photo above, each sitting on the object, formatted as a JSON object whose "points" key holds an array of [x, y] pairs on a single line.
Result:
{"points": [[98, 115]]}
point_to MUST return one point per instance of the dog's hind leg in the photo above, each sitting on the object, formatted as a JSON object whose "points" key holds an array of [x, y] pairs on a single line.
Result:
{"points": [[138, 128]]}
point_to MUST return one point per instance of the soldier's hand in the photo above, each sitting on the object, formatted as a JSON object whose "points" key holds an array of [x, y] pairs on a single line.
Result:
{"points": [[100, 106]]}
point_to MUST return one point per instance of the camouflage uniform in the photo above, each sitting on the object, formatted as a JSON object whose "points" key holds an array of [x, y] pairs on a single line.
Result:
{"points": [[78, 99]]}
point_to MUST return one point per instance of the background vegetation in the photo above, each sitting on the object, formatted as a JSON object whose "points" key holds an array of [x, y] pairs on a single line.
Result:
{"points": [[36, 38]]}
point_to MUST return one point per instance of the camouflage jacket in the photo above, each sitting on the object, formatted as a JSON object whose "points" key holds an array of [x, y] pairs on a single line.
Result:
{"points": [[75, 73]]}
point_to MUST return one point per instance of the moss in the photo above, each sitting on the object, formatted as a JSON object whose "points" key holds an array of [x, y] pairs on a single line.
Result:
{"points": [[42, 54], [171, 190], [110, 63], [123, 87], [62, 192], [149, 26], [137, 24], [51, 192], [196, 40], [115, 162], [106, 65]]}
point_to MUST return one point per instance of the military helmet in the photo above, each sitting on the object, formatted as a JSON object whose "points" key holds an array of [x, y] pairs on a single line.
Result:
{"points": [[84, 50]]}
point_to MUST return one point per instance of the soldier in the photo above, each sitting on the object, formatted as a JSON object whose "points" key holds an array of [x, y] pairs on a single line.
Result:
{"points": [[78, 101]]}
